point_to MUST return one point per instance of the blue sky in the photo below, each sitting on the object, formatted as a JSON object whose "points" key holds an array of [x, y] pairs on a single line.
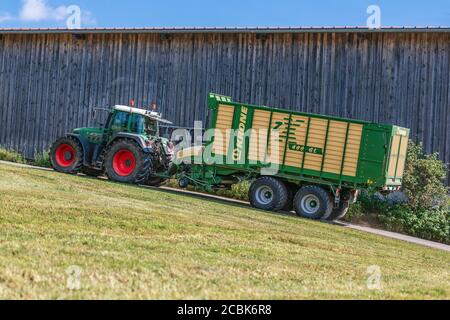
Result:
{"points": [[224, 13]]}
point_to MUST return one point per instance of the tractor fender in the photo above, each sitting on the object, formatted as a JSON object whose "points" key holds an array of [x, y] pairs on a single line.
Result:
{"points": [[137, 138], [84, 144]]}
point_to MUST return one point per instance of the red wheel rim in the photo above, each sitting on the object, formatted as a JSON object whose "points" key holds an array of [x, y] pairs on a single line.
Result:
{"points": [[124, 163], [65, 155]]}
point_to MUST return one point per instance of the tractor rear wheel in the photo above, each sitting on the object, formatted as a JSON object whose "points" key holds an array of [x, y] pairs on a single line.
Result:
{"points": [[126, 162], [268, 193], [66, 155], [313, 202]]}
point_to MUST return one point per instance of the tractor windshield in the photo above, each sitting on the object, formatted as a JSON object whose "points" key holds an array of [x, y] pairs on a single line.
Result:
{"points": [[144, 125]]}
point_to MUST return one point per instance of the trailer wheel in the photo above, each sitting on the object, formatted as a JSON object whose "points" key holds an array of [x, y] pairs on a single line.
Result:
{"points": [[268, 193], [66, 155], [340, 212], [126, 162], [313, 202]]}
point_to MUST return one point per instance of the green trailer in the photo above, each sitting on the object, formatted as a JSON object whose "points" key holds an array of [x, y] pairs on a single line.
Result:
{"points": [[314, 164]]}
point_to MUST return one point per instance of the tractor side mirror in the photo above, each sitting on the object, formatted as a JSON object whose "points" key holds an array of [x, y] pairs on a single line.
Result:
{"points": [[94, 116], [96, 113]]}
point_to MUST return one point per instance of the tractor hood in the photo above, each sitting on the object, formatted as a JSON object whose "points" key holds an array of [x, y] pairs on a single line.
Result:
{"points": [[87, 131], [94, 135]]}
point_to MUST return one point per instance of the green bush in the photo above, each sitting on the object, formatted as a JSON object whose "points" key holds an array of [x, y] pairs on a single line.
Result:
{"points": [[426, 214], [423, 178], [427, 223], [431, 224], [42, 159], [355, 212], [11, 156], [238, 191]]}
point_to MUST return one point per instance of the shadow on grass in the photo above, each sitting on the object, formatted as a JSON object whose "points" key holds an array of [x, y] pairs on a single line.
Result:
{"points": [[198, 195], [202, 196]]}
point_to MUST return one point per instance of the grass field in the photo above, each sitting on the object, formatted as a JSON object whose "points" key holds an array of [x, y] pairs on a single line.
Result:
{"points": [[132, 242]]}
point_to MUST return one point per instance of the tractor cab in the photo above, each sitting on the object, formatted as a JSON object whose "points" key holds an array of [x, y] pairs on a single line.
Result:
{"points": [[135, 121]]}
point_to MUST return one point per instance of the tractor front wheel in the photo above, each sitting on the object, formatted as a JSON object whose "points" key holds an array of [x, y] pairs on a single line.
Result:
{"points": [[66, 155], [126, 162]]}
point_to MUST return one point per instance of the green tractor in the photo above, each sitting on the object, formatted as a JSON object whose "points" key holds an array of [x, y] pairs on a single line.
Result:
{"points": [[128, 148]]}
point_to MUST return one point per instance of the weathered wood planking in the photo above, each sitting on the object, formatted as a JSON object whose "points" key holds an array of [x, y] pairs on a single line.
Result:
{"points": [[49, 83]]}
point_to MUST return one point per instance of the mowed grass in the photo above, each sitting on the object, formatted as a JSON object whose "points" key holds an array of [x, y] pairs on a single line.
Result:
{"points": [[133, 242]]}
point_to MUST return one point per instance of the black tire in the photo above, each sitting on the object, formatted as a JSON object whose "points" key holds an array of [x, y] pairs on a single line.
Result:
{"points": [[268, 193], [291, 191], [340, 212], [66, 155], [313, 202], [133, 172]]}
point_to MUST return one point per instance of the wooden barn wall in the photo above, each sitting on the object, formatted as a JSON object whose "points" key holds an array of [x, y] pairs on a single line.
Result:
{"points": [[49, 83]]}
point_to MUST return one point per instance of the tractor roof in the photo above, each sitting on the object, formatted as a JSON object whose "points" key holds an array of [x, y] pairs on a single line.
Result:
{"points": [[148, 113]]}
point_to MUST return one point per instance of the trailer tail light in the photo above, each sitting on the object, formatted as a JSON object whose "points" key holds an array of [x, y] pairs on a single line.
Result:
{"points": [[337, 196]]}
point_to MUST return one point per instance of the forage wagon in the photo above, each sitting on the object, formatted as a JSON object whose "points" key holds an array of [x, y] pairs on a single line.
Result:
{"points": [[314, 164]]}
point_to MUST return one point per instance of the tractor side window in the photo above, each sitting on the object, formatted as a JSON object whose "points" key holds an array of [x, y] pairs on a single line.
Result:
{"points": [[151, 127], [120, 122], [137, 124]]}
